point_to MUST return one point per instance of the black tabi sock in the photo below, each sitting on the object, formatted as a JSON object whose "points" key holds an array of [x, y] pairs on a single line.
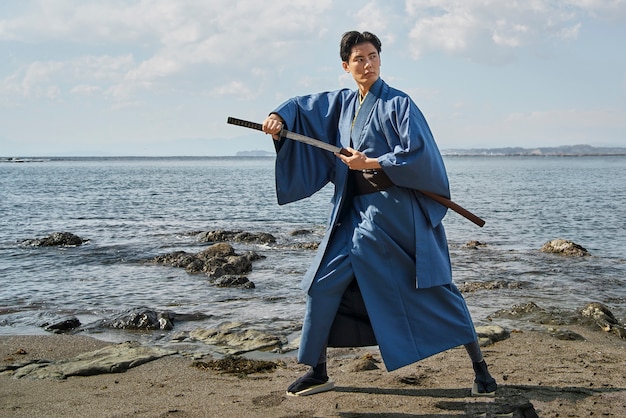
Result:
{"points": [[484, 378], [473, 350], [320, 370]]}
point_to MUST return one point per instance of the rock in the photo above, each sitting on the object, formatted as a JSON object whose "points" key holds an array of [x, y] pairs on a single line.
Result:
{"points": [[215, 236], [216, 250], [237, 365], [112, 359], [525, 308], [237, 236], [63, 325], [490, 334], [565, 334], [364, 363], [604, 318], [233, 281], [292, 345], [215, 261], [620, 332], [259, 238], [412, 379], [306, 245], [57, 239], [296, 232], [489, 285], [475, 244], [235, 338], [232, 265], [592, 315], [564, 247], [599, 312], [141, 318], [531, 312]]}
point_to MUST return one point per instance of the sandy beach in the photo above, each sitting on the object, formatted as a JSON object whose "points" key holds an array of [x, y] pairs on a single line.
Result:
{"points": [[537, 374]]}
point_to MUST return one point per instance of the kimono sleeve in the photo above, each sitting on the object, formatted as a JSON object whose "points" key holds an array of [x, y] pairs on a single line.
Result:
{"points": [[415, 161], [301, 169]]}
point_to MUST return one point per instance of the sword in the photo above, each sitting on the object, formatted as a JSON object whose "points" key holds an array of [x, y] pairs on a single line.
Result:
{"points": [[292, 135], [338, 150]]}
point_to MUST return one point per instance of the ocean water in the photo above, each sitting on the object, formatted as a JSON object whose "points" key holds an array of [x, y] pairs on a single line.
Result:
{"points": [[132, 209]]}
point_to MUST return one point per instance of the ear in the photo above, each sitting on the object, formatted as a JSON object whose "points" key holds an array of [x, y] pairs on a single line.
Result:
{"points": [[345, 66]]}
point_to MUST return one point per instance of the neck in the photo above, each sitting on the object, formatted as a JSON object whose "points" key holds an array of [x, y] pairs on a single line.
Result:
{"points": [[364, 88]]}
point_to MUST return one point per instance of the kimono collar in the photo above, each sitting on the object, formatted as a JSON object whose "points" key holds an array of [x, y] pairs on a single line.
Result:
{"points": [[376, 88], [363, 112]]}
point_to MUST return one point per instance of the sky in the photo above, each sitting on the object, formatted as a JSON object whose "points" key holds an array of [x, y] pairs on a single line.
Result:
{"points": [[160, 78]]}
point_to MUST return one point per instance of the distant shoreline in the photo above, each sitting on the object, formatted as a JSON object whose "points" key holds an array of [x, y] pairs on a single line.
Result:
{"points": [[560, 151], [446, 153]]}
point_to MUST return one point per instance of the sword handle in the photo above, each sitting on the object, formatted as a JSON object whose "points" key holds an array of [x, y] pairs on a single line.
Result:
{"points": [[245, 123]]}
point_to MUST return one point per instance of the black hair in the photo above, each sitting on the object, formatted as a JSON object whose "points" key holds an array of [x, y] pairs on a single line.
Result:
{"points": [[352, 38]]}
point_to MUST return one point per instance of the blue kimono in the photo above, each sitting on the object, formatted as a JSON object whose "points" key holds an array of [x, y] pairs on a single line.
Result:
{"points": [[382, 273]]}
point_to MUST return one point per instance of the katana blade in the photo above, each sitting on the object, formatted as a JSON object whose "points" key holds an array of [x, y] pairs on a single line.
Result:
{"points": [[292, 135], [312, 141], [338, 150]]}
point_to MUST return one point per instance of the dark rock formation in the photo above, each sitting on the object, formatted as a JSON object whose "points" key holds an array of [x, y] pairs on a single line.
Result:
{"points": [[61, 326], [237, 365], [215, 261], [221, 235], [490, 285], [141, 319], [57, 239], [233, 281], [475, 244]]}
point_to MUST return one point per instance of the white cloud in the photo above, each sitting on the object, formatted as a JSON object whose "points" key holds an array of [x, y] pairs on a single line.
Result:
{"points": [[49, 79], [85, 89], [39, 78], [235, 89], [374, 17], [102, 68], [471, 27], [508, 35], [172, 37]]}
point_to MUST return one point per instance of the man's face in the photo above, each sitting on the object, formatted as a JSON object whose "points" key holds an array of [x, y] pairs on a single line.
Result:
{"points": [[363, 64]]}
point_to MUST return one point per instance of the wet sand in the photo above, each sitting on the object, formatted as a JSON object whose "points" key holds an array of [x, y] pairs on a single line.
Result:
{"points": [[535, 372]]}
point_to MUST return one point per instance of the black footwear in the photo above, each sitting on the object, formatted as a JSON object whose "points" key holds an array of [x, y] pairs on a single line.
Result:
{"points": [[484, 383], [310, 383]]}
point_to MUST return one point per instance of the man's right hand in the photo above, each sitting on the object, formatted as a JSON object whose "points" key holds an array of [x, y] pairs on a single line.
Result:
{"points": [[272, 125]]}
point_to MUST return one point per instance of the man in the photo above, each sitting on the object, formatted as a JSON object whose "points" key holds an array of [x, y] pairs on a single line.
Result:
{"points": [[382, 274]]}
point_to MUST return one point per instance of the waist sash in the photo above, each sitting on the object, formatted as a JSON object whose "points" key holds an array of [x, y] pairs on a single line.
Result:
{"points": [[369, 181]]}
